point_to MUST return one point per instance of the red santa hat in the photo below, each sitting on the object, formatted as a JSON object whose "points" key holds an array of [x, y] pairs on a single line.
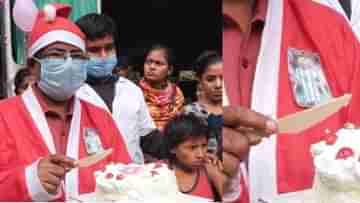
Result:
{"points": [[52, 25]]}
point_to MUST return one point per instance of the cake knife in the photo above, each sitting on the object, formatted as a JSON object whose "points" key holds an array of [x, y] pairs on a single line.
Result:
{"points": [[93, 159], [302, 120]]}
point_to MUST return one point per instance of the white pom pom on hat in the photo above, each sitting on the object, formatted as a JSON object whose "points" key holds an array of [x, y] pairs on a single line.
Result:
{"points": [[50, 13]]}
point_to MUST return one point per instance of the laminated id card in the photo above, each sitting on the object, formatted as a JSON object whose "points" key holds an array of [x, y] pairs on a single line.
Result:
{"points": [[92, 141], [308, 82]]}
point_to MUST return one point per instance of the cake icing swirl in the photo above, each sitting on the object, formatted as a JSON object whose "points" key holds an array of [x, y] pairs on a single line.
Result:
{"points": [[337, 166]]}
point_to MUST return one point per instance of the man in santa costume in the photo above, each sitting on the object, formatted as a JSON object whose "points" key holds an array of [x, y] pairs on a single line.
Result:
{"points": [[283, 56], [47, 128]]}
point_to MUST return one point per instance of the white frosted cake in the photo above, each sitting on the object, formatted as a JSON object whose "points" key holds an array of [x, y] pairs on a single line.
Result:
{"points": [[337, 167], [153, 183]]}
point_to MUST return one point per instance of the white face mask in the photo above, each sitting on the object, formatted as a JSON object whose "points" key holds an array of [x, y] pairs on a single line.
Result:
{"points": [[61, 78], [101, 67]]}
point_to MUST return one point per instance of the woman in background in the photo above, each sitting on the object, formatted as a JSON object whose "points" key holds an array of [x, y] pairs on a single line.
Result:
{"points": [[209, 73], [164, 99]]}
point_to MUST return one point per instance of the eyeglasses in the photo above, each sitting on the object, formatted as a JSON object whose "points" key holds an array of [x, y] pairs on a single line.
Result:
{"points": [[62, 54]]}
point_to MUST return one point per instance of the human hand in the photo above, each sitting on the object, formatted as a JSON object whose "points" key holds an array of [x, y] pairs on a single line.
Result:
{"points": [[247, 120], [52, 170], [215, 170], [213, 161], [244, 128]]}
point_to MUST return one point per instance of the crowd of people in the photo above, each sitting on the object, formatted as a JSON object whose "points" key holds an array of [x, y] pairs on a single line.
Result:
{"points": [[73, 100]]}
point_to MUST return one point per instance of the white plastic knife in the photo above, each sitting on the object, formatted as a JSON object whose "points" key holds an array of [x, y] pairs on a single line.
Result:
{"points": [[302, 120], [93, 159]]}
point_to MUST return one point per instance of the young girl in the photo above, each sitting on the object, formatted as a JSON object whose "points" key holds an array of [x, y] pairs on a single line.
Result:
{"points": [[186, 142], [163, 98]]}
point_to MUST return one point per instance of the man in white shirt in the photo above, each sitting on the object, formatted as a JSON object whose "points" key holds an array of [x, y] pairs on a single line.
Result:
{"points": [[117, 94]]}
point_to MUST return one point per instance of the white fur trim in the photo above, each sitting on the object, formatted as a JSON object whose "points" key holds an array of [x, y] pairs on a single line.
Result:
{"points": [[262, 158], [72, 148], [50, 13], [34, 108], [36, 190], [72, 151], [56, 36], [355, 18]]}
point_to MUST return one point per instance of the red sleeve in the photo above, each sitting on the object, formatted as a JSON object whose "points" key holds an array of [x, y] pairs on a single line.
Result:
{"points": [[12, 175], [352, 53]]}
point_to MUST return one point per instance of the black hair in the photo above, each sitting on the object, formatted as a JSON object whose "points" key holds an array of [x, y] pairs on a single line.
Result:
{"points": [[20, 78], [96, 26], [169, 55], [181, 128], [206, 59]]}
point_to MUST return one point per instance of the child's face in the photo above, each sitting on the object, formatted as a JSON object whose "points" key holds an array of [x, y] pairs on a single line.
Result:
{"points": [[192, 152]]}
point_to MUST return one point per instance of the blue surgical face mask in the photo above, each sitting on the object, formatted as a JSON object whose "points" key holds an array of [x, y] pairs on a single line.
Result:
{"points": [[60, 78], [101, 67]]}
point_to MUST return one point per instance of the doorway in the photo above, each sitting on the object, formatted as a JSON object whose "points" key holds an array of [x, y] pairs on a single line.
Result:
{"points": [[188, 27], [141, 23]]}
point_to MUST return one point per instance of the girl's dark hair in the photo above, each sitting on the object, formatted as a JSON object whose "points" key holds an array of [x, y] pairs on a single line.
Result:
{"points": [[169, 55], [205, 60], [182, 128]]}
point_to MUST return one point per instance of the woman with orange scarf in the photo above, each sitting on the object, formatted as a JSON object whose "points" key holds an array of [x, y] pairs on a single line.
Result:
{"points": [[164, 99]]}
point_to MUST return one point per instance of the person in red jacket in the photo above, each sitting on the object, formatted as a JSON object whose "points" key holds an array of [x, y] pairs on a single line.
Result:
{"points": [[281, 57], [47, 128]]}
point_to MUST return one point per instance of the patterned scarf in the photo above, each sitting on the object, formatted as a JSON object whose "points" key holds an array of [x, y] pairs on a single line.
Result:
{"points": [[163, 104]]}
